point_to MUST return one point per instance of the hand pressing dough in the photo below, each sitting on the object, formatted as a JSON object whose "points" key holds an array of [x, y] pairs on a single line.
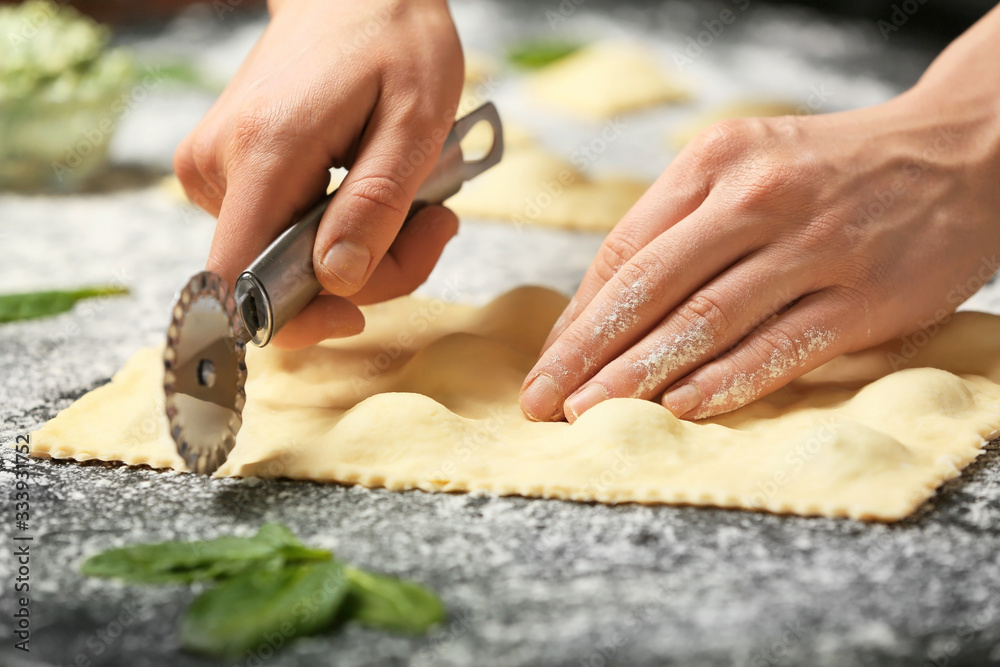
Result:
{"points": [[533, 187], [426, 399], [740, 109], [605, 79]]}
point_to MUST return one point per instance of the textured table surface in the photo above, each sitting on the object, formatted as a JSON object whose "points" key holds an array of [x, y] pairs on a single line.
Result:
{"points": [[527, 582]]}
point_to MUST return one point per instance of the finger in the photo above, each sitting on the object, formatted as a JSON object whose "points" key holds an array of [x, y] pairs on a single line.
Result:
{"points": [[702, 328], [637, 298], [676, 194], [192, 172], [395, 155], [808, 335], [264, 196], [325, 317], [411, 257], [200, 161]]}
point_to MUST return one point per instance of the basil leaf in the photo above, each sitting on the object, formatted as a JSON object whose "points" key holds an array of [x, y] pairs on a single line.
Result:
{"points": [[539, 53], [180, 562], [30, 305], [277, 535], [271, 589], [392, 604], [264, 607]]}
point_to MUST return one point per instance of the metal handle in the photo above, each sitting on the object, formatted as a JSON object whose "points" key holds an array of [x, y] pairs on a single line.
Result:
{"points": [[282, 281]]}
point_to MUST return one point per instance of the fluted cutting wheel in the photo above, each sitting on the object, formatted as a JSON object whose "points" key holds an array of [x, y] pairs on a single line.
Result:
{"points": [[204, 372]]}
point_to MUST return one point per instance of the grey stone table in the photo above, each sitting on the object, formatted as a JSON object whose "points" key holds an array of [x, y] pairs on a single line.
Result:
{"points": [[527, 582]]}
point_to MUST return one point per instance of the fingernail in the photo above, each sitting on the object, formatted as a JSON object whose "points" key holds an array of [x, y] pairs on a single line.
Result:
{"points": [[683, 400], [585, 399], [541, 399], [348, 260]]}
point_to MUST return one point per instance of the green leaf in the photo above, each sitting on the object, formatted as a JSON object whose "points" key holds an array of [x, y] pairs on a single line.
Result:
{"points": [[276, 535], [271, 589], [539, 53], [180, 562], [266, 607], [27, 306], [392, 604]]}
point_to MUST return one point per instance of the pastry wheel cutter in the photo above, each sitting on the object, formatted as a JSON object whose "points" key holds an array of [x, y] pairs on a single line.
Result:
{"points": [[204, 359]]}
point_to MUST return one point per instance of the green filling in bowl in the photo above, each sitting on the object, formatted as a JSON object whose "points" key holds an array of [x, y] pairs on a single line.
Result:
{"points": [[61, 93]]}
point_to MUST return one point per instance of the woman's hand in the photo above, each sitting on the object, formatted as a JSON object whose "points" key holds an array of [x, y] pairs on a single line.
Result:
{"points": [[770, 246], [372, 86]]}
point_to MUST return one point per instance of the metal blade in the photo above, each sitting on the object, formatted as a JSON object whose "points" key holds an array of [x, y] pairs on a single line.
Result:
{"points": [[204, 372]]}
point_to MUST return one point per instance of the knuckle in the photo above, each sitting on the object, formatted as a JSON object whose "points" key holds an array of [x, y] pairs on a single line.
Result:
{"points": [[421, 110], [781, 349], [703, 310], [768, 177], [381, 191], [615, 253], [205, 159], [764, 182], [200, 182], [256, 127], [856, 298], [636, 280], [184, 164], [723, 140], [570, 357], [204, 154], [761, 170]]}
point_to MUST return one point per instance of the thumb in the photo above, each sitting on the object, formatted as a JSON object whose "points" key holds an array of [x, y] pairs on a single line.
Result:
{"points": [[366, 214]]}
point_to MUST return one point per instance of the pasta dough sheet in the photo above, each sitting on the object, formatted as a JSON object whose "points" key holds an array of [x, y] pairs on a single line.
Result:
{"points": [[533, 187], [604, 79], [426, 399]]}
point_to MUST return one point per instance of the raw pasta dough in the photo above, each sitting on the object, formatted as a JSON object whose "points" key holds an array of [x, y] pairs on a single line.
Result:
{"points": [[531, 186], [427, 398], [605, 79]]}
